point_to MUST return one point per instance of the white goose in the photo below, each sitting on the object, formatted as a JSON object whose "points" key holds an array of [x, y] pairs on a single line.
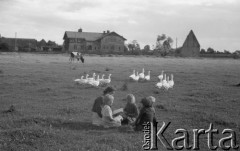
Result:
{"points": [[161, 75], [95, 82], [147, 77], [141, 75], [171, 82], [78, 80], [164, 82], [159, 84], [92, 79], [107, 81], [84, 81], [166, 86], [102, 78], [132, 75], [136, 78]]}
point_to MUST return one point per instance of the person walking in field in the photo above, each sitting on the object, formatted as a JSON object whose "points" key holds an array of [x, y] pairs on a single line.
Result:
{"points": [[107, 115], [97, 106], [147, 113], [130, 111]]}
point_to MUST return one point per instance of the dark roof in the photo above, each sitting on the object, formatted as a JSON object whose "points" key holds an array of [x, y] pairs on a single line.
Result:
{"points": [[88, 36], [18, 39], [191, 36], [113, 33]]}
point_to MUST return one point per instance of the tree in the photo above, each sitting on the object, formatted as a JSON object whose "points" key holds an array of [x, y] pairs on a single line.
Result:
{"points": [[170, 40], [210, 50], [134, 46], [51, 43], [163, 44], [237, 52], [130, 47], [159, 39], [146, 49], [203, 51], [226, 52], [4, 47]]}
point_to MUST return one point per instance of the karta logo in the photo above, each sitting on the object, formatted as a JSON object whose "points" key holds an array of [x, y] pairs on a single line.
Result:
{"points": [[152, 137]]}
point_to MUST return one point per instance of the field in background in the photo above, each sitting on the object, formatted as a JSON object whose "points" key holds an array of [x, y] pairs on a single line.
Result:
{"points": [[53, 113]]}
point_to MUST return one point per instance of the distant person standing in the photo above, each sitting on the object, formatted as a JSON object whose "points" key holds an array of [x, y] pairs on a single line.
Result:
{"points": [[97, 106]]}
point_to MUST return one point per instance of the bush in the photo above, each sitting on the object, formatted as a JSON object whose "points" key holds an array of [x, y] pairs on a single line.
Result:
{"points": [[236, 56], [4, 47]]}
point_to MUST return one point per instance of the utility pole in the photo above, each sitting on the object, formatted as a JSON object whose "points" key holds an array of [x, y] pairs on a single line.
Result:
{"points": [[176, 43], [15, 43]]}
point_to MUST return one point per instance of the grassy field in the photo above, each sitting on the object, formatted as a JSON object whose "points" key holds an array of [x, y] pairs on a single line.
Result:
{"points": [[53, 113]]}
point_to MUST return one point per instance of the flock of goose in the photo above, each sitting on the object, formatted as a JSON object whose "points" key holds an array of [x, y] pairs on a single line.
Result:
{"points": [[164, 83], [93, 81], [140, 76]]}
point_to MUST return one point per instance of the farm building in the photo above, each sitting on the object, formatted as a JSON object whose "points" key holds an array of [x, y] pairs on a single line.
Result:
{"points": [[191, 46], [20, 43], [88, 42]]}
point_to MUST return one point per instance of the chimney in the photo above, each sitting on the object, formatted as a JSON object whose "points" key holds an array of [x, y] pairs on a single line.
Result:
{"points": [[108, 31], [80, 30]]}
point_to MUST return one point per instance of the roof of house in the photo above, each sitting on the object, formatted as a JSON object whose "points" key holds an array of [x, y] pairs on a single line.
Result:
{"points": [[191, 37], [88, 36], [26, 39]]}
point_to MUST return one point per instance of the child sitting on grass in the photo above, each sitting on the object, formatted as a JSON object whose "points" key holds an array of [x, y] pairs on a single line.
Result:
{"points": [[130, 111], [147, 113], [107, 116], [97, 106]]}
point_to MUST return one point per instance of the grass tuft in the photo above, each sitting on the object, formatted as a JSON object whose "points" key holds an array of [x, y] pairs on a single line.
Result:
{"points": [[159, 106], [124, 86], [107, 69], [12, 109]]}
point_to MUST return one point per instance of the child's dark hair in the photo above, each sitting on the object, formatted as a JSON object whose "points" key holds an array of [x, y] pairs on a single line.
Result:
{"points": [[108, 90]]}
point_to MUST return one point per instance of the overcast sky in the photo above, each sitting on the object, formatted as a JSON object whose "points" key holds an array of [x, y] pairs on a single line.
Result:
{"points": [[216, 23]]}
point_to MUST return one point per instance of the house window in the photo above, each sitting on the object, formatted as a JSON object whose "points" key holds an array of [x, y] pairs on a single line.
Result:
{"points": [[89, 47]]}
